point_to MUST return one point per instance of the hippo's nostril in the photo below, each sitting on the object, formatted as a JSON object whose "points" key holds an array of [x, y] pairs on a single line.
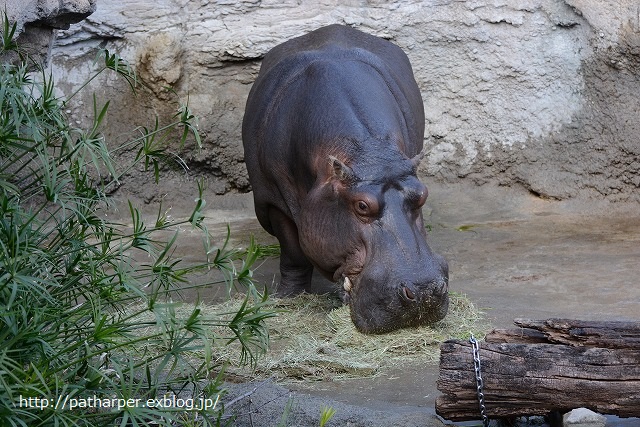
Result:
{"points": [[408, 294]]}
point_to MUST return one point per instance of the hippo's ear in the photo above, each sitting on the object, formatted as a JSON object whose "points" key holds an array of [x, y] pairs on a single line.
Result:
{"points": [[418, 158], [341, 171]]}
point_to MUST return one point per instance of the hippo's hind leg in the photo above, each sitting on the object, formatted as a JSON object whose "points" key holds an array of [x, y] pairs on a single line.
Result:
{"points": [[295, 269]]}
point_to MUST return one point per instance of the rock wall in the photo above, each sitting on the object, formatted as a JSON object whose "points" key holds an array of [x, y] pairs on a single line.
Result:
{"points": [[37, 21], [539, 93]]}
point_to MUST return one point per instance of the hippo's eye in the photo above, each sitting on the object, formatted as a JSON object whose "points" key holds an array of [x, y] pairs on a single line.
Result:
{"points": [[365, 206], [362, 208], [417, 196], [421, 198]]}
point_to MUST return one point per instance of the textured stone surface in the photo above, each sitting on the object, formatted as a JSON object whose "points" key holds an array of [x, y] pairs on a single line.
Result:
{"points": [[541, 93], [37, 20], [583, 417]]}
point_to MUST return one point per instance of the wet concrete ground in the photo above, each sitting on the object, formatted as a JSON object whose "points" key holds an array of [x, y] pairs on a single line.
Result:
{"points": [[517, 256], [513, 254], [520, 256]]}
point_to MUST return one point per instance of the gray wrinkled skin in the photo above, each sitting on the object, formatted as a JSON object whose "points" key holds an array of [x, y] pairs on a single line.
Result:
{"points": [[332, 134]]}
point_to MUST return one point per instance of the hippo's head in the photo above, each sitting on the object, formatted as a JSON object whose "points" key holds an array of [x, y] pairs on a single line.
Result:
{"points": [[361, 225]]}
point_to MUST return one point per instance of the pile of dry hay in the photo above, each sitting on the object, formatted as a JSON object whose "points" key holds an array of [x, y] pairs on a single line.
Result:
{"points": [[313, 338]]}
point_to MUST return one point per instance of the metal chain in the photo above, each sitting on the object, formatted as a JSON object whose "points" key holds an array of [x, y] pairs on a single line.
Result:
{"points": [[479, 383]]}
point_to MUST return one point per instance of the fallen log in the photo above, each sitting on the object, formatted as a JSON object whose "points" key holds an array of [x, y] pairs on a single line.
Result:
{"points": [[571, 332], [543, 367]]}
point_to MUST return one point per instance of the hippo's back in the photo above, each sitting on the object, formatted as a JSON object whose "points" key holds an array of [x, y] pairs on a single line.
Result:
{"points": [[340, 36], [288, 96], [338, 43]]}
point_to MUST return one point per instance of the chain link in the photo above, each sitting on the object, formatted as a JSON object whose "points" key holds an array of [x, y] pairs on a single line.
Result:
{"points": [[479, 383]]}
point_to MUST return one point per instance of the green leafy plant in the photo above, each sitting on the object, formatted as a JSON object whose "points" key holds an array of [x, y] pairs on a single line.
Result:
{"points": [[286, 413], [90, 335], [8, 34], [326, 413]]}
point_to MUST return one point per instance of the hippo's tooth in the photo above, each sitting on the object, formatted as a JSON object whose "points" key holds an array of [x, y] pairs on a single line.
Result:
{"points": [[347, 284]]}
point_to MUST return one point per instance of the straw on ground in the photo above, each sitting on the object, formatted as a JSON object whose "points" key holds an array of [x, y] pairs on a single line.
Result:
{"points": [[313, 338]]}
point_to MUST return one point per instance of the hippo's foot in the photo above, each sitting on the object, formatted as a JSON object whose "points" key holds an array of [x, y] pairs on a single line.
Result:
{"points": [[294, 281], [285, 290]]}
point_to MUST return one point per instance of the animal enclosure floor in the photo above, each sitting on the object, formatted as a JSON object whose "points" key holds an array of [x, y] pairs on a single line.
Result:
{"points": [[513, 254]]}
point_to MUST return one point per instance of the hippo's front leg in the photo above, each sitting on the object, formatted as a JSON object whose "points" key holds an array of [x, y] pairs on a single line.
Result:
{"points": [[295, 269]]}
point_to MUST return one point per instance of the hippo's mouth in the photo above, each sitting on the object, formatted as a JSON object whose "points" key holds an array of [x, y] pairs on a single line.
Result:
{"points": [[391, 309], [347, 286]]}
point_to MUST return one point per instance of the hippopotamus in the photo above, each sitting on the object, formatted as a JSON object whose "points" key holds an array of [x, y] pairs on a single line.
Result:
{"points": [[333, 133]]}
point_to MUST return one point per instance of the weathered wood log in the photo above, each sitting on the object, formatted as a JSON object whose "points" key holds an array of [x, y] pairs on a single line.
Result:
{"points": [[571, 332], [544, 366]]}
